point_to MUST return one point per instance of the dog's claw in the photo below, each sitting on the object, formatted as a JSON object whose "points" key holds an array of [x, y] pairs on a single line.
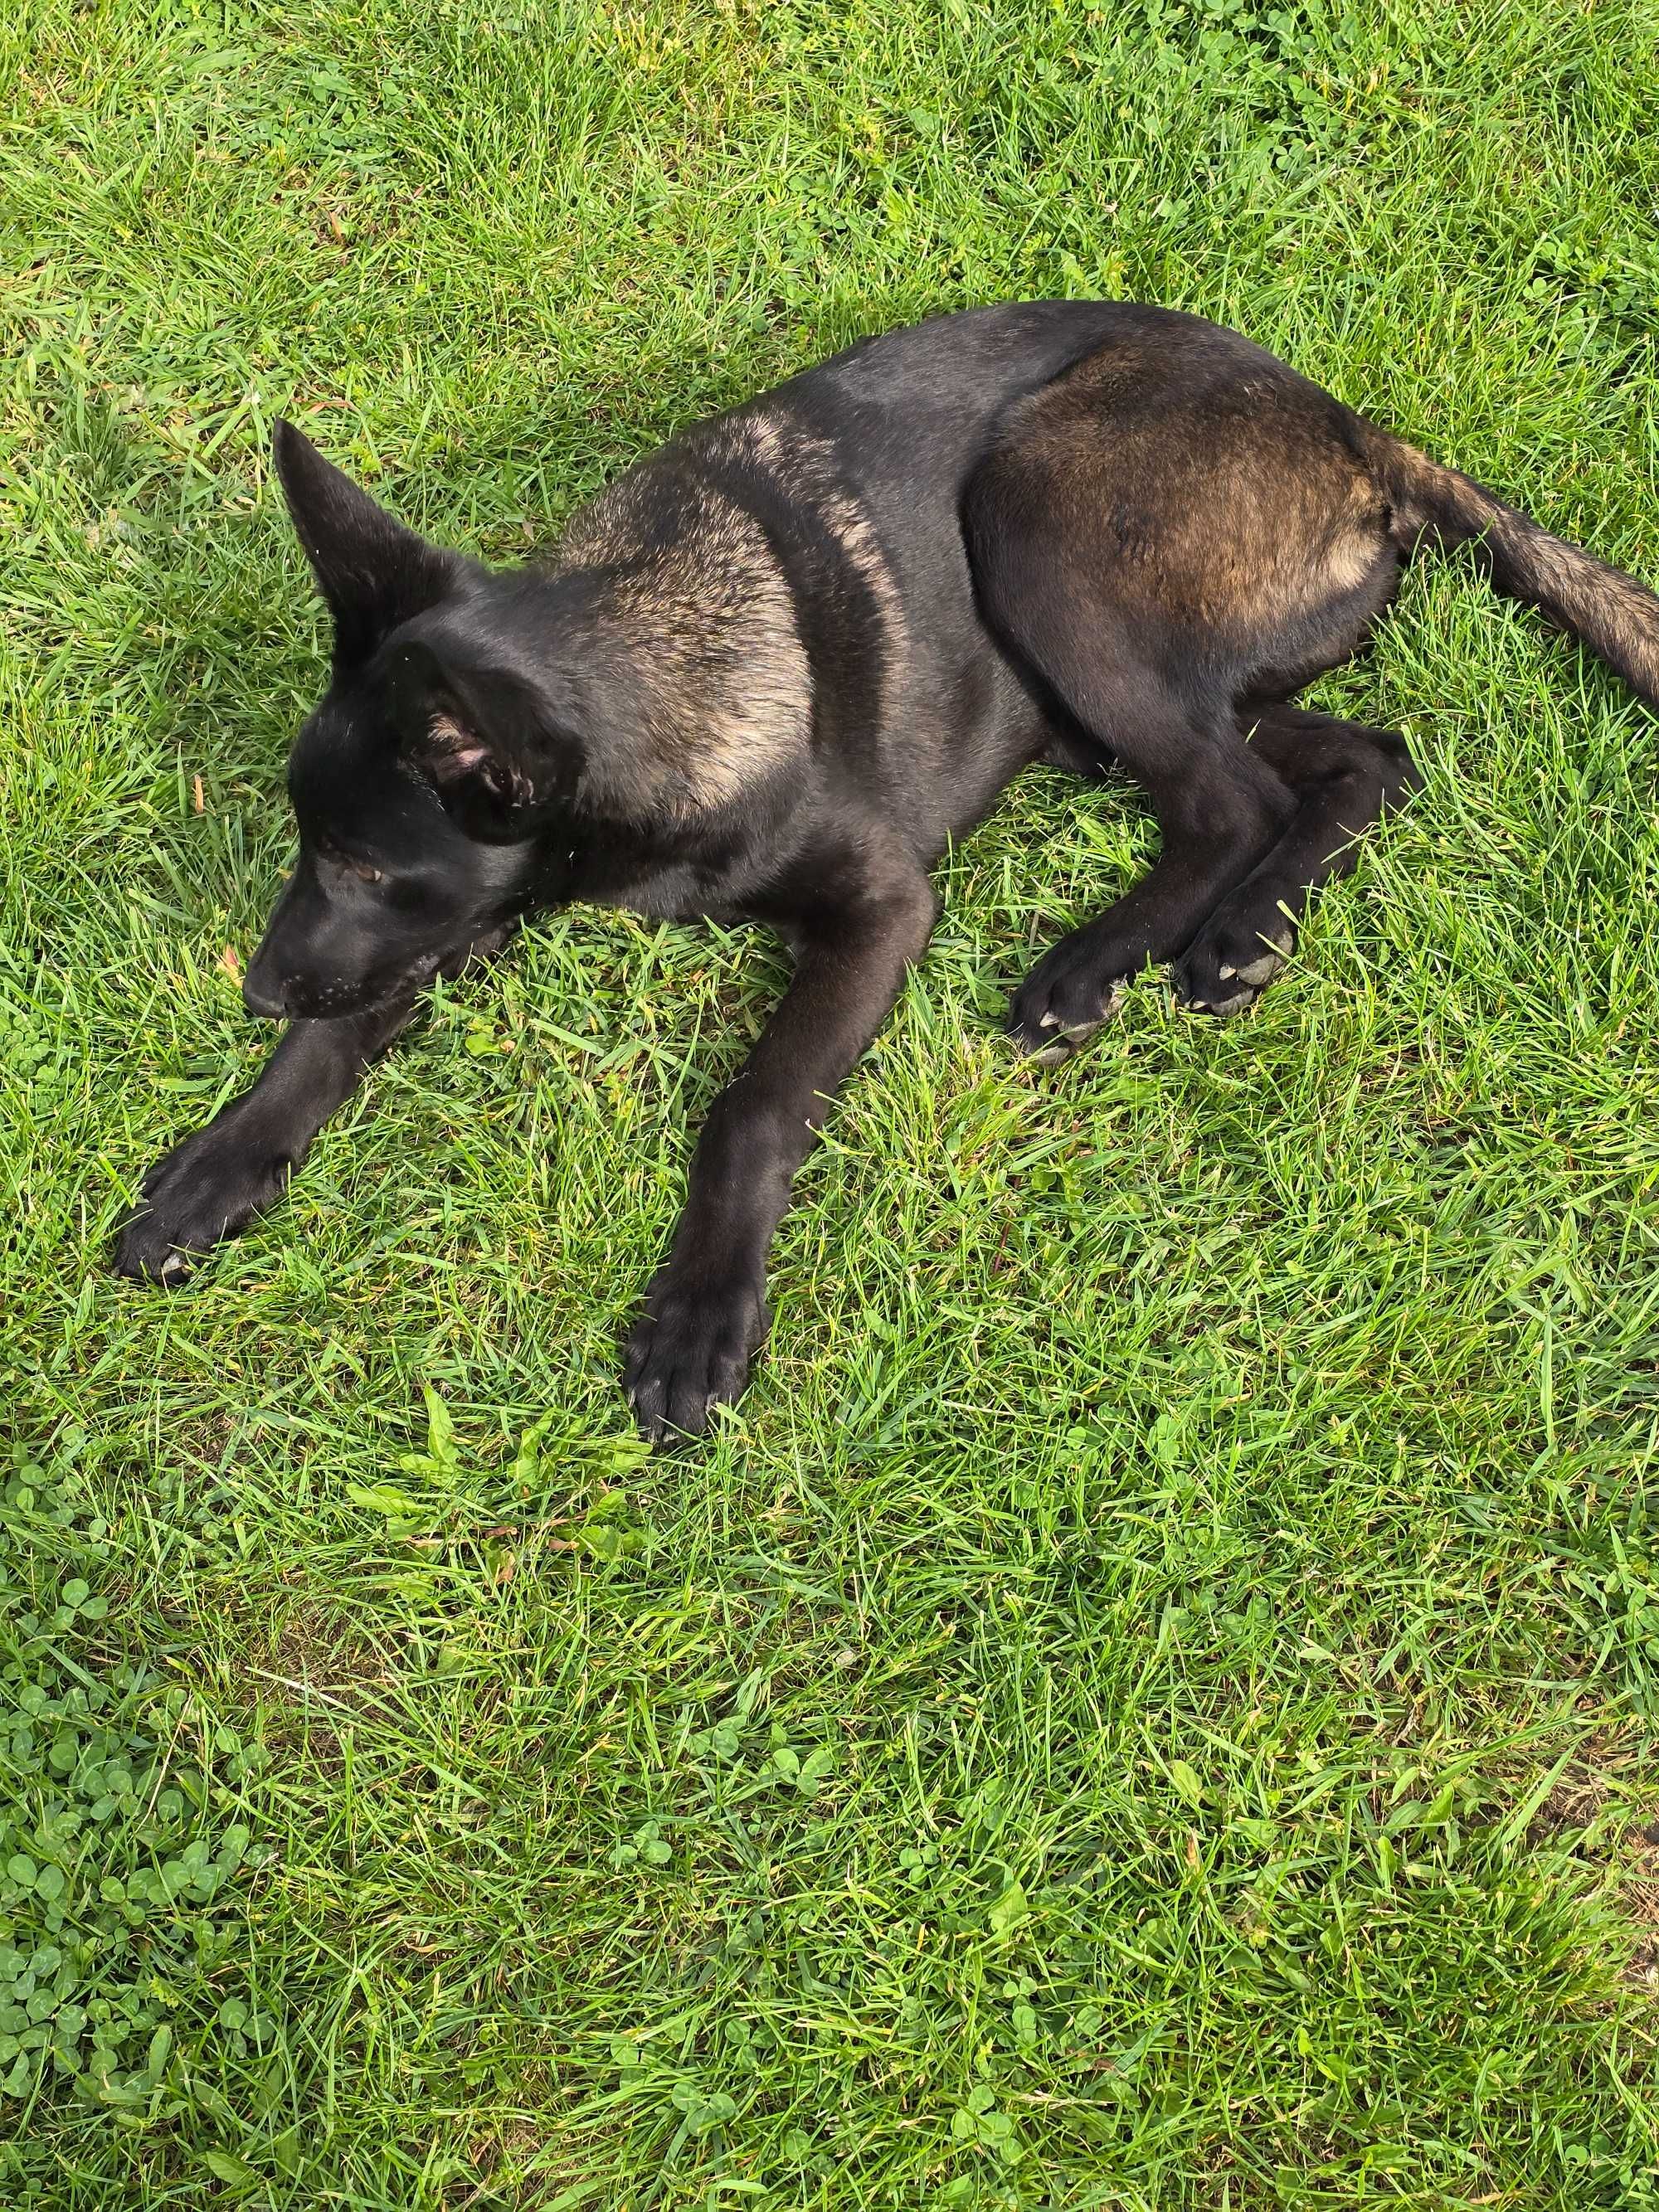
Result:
{"points": [[1261, 971], [1069, 1042]]}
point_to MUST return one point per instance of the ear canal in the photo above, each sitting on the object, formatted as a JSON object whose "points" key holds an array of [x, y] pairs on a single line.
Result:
{"points": [[372, 573], [453, 744], [451, 757], [451, 751]]}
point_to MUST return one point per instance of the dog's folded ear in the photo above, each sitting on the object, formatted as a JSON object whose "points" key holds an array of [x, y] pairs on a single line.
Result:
{"points": [[474, 733], [371, 571]]}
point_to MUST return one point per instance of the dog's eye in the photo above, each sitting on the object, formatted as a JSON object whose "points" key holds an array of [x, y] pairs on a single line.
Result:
{"points": [[365, 873]]}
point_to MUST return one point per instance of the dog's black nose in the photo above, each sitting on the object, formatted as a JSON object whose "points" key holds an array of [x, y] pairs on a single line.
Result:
{"points": [[259, 999]]}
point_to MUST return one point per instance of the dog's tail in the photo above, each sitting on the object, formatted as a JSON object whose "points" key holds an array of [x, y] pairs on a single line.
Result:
{"points": [[1616, 616]]}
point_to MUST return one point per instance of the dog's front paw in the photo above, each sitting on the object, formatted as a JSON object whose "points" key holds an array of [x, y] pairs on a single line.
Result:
{"points": [[208, 1189], [689, 1350]]}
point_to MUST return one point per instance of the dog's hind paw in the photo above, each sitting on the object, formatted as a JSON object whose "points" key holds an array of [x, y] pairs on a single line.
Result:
{"points": [[1225, 968], [1060, 1005]]}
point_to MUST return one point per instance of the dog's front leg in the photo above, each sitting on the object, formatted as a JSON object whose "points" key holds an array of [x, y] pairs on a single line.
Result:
{"points": [[705, 1310], [216, 1180]]}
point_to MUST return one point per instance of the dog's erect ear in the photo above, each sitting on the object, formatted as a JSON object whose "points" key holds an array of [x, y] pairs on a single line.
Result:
{"points": [[474, 733], [371, 571]]}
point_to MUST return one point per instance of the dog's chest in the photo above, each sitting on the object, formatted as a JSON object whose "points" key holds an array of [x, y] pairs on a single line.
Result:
{"points": [[667, 890]]}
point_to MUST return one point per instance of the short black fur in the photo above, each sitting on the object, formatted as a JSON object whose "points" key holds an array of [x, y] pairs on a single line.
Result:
{"points": [[779, 665]]}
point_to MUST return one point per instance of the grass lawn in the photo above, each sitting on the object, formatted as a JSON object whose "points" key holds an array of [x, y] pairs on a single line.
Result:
{"points": [[1149, 1702]]}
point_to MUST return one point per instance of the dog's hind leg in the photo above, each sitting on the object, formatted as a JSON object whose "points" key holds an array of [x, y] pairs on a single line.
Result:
{"points": [[1344, 776], [1221, 806], [1175, 524]]}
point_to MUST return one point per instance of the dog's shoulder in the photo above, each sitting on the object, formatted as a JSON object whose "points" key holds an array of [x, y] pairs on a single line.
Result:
{"points": [[735, 575], [701, 682]]}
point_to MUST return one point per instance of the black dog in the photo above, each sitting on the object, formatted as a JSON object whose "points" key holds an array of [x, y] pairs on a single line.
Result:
{"points": [[778, 665]]}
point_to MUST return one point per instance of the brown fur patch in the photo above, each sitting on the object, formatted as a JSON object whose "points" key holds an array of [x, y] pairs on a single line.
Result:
{"points": [[705, 627], [805, 466], [1258, 517]]}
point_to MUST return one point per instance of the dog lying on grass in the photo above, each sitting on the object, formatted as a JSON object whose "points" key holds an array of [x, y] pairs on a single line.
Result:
{"points": [[780, 663]]}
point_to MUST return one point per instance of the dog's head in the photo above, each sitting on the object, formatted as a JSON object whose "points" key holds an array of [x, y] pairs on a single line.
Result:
{"points": [[428, 771]]}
